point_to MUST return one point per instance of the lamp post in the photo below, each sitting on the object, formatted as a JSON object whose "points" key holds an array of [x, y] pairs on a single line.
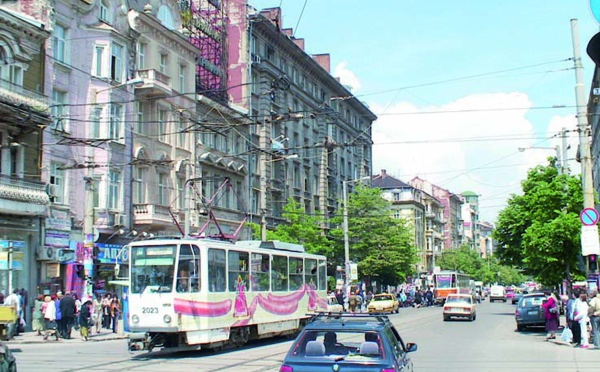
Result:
{"points": [[346, 239]]}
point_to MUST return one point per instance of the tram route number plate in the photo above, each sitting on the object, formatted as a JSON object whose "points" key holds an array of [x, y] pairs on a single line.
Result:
{"points": [[149, 310]]}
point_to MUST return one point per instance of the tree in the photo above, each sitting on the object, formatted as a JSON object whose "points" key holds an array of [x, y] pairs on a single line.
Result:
{"points": [[539, 230], [382, 246]]}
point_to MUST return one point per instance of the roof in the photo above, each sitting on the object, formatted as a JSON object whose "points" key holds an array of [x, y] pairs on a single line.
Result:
{"points": [[469, 193], [385, 181]]}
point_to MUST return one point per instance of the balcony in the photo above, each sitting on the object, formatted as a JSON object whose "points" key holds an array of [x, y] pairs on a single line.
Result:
{"points": [[17, 95], [22, 197], [152, 214], [155, 83]]}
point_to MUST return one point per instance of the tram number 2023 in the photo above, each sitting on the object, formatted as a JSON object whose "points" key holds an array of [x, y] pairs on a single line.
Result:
{"points": [[149, 310]]}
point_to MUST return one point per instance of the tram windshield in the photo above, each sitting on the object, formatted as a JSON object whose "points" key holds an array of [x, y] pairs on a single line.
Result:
{"points": [[152, 268]]}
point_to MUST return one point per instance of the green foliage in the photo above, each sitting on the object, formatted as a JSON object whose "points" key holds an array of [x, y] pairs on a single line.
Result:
{"points": [[539, 230]]}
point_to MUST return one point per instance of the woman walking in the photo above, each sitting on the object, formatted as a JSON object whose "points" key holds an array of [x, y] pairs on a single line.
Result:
{"points": [[97, 316], [85, 319], [37, 318], [50, 317], [552, 315], [115, 312], [583, 319]]}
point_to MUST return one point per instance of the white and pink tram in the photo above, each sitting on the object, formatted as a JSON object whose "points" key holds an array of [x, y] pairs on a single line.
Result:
{"points": [[199, 293]]}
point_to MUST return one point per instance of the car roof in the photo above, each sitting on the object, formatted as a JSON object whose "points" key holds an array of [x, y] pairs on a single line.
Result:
{"points": [[348, 321], [534, 295]]}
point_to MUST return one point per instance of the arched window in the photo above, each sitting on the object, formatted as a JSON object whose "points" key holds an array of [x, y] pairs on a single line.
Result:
{"points": [[166, 17]]}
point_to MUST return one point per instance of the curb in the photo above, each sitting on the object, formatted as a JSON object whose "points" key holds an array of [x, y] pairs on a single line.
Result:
{"points": [[34, 339]]}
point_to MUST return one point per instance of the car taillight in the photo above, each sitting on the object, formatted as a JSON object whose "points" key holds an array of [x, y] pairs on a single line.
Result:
{"points": [[446, 308], [285, 368]]}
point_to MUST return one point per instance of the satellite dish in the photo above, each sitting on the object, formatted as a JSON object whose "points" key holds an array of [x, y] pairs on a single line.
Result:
{"points": [[96, 234]]}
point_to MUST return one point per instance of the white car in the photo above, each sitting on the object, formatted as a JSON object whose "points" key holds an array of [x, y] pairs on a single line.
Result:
{"points": [[333, 306], [498, 292]]}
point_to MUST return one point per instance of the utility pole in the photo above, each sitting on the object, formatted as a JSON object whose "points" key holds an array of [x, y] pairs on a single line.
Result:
{"points": [[563, 163]]}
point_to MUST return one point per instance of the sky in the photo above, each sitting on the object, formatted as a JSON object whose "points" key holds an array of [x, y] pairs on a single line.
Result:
{"points": [[458, 86]]}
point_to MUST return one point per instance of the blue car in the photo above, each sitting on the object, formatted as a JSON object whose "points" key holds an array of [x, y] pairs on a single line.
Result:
{"points": [[349, 342]]}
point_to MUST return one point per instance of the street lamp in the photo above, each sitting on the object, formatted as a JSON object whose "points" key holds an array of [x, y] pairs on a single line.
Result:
{"points": [[346, 240], [560, 160]]}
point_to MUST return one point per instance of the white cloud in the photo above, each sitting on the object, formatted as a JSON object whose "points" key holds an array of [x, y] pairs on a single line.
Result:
{"points": [[347, 77], [475, 150]]}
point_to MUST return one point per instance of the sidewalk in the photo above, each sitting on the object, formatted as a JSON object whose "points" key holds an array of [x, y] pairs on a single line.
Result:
{"points": [[33, 338]]}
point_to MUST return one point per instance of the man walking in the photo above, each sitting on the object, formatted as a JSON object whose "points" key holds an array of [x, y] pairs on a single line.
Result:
{"points": [[575, 329], [594, 313], [67, 309]]}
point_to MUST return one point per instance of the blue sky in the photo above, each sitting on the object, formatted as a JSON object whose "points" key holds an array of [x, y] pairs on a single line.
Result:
{"points": [[503, 65]]}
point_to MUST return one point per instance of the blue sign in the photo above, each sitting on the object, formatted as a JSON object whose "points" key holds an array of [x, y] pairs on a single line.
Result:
{"points": [[16, 244], [589, 217], [595, 8], [112, 253]]}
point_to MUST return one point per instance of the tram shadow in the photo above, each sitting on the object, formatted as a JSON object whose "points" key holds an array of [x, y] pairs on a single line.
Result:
{"points": [[177, 354]]}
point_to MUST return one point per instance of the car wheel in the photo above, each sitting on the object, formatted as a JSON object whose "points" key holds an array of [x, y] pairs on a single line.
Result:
{"points": [[520, 327], [474, 316], [446, 318]]}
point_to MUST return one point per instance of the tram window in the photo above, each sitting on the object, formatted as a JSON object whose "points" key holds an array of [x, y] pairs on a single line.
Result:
{"points": [[322, 275], [260, 272], [152, 269], [188, 269], [238, 269], [310, 274], [296, 273], [279, 273], [216, 270]]}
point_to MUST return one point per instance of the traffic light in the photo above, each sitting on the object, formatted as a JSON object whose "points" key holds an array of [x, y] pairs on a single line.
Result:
{"points": [[80, 271], [593, 261]]}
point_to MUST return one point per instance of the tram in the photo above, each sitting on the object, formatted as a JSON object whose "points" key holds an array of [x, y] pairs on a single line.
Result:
{"points": [[189, 293], [450, 282]]}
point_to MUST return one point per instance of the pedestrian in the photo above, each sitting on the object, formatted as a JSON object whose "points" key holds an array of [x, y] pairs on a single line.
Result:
{"points": [[418, 298], [14, 299], [552, 315], [24, 303], [85, 318], [572, 324], [67, 309], [115, 312], [594, 314], [106, 301], [58, 314], [49, 310], [581, 316], [37, 317], [339, 295], [429, 297], [77, 309], [97, 315]]}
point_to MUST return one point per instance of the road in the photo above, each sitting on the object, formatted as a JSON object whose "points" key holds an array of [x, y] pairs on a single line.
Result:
{"points": [[488, 344]]}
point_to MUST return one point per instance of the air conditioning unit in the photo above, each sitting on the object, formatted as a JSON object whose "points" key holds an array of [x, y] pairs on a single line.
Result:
{"points": [[119, 219], [53, 190], [47, 253], [64, 255]]}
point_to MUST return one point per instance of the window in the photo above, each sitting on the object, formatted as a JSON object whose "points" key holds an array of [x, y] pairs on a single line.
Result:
{"points": [[105, 13], [238, 271], [280, 273], [57, 179], [114, 192], [59, 111], [10, 69], [163, 61], [216, 270], [116, 62], [114, 122], [311, 274], [139, 128], [163, 189], [94, 131], [99, 53], [322, 275], [141, 63], [59, 44], [140, 185], [162, 125], [166, 17], [260, 272], [296, 273], [188, 269], [182, 73]]}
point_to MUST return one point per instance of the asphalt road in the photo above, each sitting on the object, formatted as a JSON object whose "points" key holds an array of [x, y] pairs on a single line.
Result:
{"points": [[490, 343]]}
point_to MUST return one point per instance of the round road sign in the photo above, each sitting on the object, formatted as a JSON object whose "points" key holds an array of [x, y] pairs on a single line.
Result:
{"points": [[589, 216]]}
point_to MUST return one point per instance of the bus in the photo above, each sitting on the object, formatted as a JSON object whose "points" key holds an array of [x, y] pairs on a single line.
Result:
{"points": [[447, 282], [189, 293]]}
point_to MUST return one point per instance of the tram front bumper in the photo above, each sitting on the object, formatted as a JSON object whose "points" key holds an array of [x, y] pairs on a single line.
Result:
{"points": [[137, 340]]}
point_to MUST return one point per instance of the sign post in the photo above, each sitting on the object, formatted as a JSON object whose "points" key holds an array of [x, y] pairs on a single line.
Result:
{"points": [[590, 244]]}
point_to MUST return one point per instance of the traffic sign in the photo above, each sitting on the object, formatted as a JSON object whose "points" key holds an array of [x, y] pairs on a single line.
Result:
{"points": [[589, 217], [590, 243]]}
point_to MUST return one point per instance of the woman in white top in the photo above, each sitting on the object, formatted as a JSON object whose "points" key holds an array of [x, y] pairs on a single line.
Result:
{"points": [[49, 318], [581, 316]]}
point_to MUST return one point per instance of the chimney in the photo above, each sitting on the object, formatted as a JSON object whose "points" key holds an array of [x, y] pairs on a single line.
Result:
{"points": [[323, 60], [299, 43], [383, 173]]}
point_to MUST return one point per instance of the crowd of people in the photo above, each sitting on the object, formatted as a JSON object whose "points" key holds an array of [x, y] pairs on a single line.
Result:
{"points": [[407, 297], [55, 316], [582, 319]]}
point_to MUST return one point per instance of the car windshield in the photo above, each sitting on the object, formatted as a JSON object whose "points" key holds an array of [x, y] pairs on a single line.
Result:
{"points": [[463, 300], [531, 301], [347, 344], [383, 298]]}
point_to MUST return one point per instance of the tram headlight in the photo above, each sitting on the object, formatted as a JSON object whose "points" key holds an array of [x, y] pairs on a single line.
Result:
{"points": [[135, 319], [167, 318]]}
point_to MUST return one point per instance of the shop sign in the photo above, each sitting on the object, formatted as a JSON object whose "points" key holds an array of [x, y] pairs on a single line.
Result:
{"points": [[52, 270], [112, 253], [16, 244], [17, 260], [57, 239], [58, 224]]}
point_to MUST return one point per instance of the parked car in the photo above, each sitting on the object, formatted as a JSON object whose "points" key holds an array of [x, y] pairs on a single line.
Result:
{"points": [[497, 293], [349, 342], [333, 306], [383, 303], [518, 296], [8, 362], [529, 312], [460, 306]]}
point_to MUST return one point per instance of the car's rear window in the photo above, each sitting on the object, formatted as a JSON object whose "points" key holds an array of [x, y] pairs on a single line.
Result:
{"points": [[465, 300], [383, 298], [532, 301], [351, 345]]}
